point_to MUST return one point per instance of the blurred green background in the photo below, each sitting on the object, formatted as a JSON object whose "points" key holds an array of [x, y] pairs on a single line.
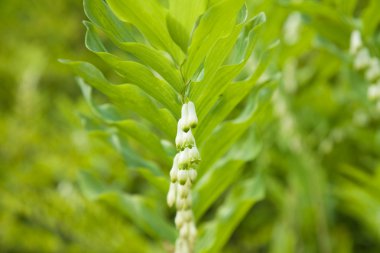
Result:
{"points": [[321, 153]]}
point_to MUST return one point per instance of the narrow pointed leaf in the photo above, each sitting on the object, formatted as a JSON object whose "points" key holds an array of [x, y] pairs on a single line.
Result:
{"points": [[127, 96], [216, 22], [150, 18], [214, 235], [181, 19]]}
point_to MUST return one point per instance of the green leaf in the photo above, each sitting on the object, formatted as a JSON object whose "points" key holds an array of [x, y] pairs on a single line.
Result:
{"points": [[224, 136], [138, 209], [216, 80], [181, 19], [213, 235], [220, 176], [131, 128], [157, 61], [150, 18], [100, 14], [136, 73], [146, 54], [216, 23], [127, 96], [142, 212], [234, 94]]}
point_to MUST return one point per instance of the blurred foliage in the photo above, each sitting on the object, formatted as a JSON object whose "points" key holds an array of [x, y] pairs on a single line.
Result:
{"points": [[319, 153]]}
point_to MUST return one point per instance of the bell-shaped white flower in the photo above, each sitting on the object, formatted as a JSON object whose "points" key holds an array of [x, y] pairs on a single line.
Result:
{"points": [[183, 190], [188, 215], [174, 170], [179, 219], [373, 71], [192, 231], [184, 139], [362, 59], [192, 175], [174, 174], [181, 203], [189, 201], [171, 197], [184, 230], [192, 115], [356, 42], [185, 118], [194, 155], [182, 246], [182, 176], [185, 158]]}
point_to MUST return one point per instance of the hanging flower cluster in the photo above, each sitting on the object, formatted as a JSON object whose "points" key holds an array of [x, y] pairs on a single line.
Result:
{"points": [[370, 65], [182, 176]]}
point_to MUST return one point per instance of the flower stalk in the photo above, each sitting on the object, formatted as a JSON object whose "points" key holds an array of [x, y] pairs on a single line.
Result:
{"points": [[182, 176]]}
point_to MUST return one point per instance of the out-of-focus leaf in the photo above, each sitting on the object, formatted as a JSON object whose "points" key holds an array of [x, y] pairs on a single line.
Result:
{"points": [[137, 208], [213, 235], [371, 17], [224, 136], [150, 18], [217, 178], [326, 20]]}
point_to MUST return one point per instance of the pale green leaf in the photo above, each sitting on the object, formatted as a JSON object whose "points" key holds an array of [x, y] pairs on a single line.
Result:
{"points": [[220, 176], [213, 235], [127, 96], [138, 209], [100, 14], [234, 93], [216, 80], [136, 73], [150, 18], [181, 19], [225, 135], [145, 54], [217, 22]]}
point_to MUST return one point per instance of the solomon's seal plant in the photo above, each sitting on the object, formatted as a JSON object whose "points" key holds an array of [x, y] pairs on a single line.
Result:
{"points": [[187, 96]]}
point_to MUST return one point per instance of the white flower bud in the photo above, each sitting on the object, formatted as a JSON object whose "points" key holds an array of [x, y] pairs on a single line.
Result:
{"points": [[184, 231], [189, 201], [183, 190], [184, 139], [173, 175], [356, 42], [193, 175], [193, 119], [185, 118], [373, 71], [182, 176], [188, 215], [184, 159], [362, 59], [171, 197], [179, 219], [181, 203], [194, 155], [182, 246], [192, 231]]}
